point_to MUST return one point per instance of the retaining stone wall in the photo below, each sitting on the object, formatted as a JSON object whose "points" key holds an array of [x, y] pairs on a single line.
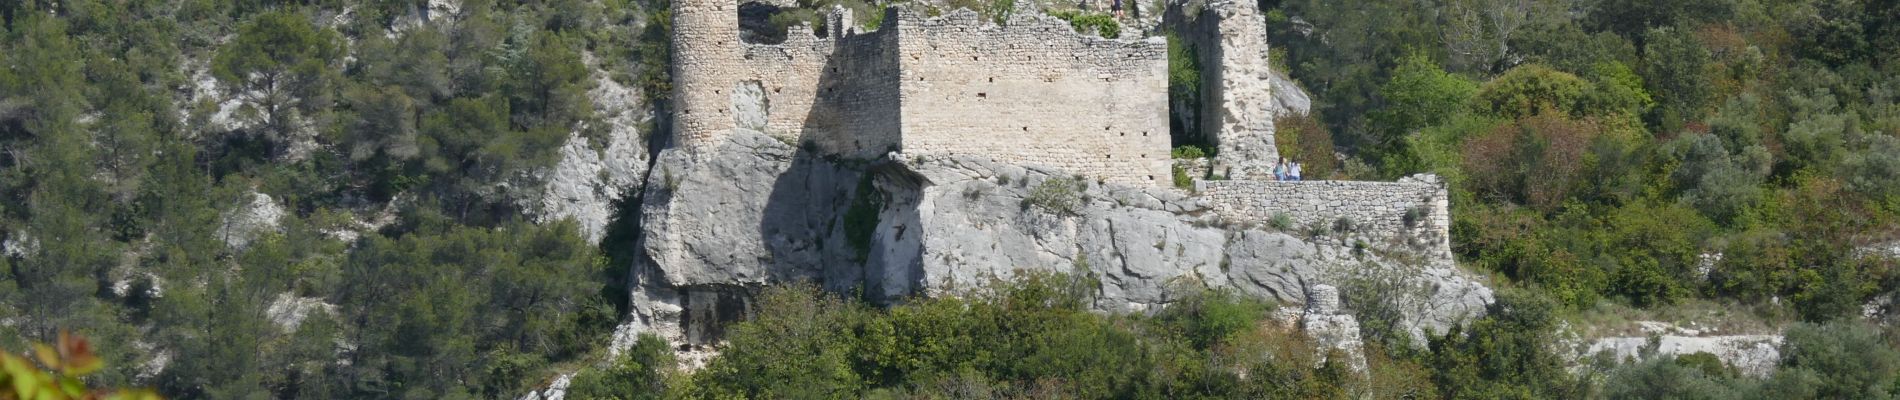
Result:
{"points": [[1377, 209]]}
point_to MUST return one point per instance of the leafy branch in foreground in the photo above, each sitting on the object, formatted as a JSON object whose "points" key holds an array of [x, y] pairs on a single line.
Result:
{"points": [[56, 376]]}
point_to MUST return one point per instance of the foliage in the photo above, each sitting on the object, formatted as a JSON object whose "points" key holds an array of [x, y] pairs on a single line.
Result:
{"points": [[1303, 139], [1419, 95], [1180, 176], [641, 373], [1184, 85], [1538, 161], [279, 62], [861, 220], [1850, 360], [1503, 355], [1669, 377], [1059, 196], [1028, 337], [1187, 152], [1100, 24], [64, 365], [1532, 90]]}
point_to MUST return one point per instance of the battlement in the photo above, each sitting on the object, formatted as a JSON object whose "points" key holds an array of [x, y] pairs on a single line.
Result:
{"points": [[1030, 91]]}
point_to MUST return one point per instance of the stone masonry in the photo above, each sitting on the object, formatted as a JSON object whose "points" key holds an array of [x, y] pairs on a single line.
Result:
{"points": [[1415, 208], [1028, 91], [1236, 117], [921, 157]]}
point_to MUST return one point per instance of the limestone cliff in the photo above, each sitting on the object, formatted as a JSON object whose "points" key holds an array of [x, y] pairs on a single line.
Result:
{"points": [[718, 222]]}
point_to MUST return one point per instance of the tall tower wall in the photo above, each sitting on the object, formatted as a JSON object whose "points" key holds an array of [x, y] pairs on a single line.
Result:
{"points": [[706, 49]]}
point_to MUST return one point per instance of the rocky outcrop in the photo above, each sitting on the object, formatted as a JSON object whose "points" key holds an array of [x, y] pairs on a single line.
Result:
{"points": [[556, 390], [955, 220], [1751, 354], [1288, 98], [592, 178], [289, 310], [1331, 328], [717, 222], [250, 220]]}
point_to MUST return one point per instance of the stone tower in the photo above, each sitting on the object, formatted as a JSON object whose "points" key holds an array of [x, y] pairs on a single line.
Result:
{"points": [[705, 49]]}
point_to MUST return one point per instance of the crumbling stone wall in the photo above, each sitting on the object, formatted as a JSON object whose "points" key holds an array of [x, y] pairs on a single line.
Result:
{"points": [[1236, 117], [1032, 91], [834, 89], [1416, 208]]}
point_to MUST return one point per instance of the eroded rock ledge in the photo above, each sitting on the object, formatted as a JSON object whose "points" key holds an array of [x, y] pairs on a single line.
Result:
{"points": [[719, 222]]}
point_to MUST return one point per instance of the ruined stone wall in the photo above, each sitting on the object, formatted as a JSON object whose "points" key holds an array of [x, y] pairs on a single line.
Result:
{"points": [[837, 92], [836, 89], [1235, 114], [1032, 91], [1415, 207]]}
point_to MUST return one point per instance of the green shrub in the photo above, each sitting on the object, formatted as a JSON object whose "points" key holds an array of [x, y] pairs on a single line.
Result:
{"points": [[1187, 152], [860, 221], [1184, 84], [1281, 222], [1344, 225], [639, 374], [1304, 139], [1211, 317], [1533, 89], [1097, 23], [1181, 178], [1060, 196]]}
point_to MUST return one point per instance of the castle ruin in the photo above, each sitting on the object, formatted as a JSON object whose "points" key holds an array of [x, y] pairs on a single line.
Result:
{"points": [[1029, 91], [934, 152]]}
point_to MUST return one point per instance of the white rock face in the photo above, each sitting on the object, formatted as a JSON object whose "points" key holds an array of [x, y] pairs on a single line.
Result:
{"points": [[555, 391], [586, 183], [1750, 354], [288, 311], [19, 244], [755, 211], [249, 220], [1288, 97], [204, 88]]}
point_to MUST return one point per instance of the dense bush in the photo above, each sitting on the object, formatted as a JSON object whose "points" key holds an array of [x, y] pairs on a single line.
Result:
{"points": [[1726, 119], [335, 117], [1032, 337], [1096, 23], [1303, 139], [1059, 196]]}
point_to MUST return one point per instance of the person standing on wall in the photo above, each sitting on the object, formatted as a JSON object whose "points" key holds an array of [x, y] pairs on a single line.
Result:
{"points": [[1117, 7], [1279, 170], [1295, 171]]}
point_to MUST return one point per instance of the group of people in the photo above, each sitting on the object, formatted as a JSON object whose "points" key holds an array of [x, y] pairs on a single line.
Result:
{"points": [[1286, 170]]}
